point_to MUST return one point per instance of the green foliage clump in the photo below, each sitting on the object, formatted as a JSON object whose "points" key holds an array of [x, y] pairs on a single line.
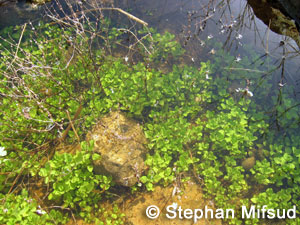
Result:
{"points": [[110, 217], [21, 209], [228, 136], [73, 181]]}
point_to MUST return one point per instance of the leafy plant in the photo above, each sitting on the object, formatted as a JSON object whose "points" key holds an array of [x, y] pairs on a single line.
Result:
{"points": [[21, 209], [73, 181], [110, 217]]}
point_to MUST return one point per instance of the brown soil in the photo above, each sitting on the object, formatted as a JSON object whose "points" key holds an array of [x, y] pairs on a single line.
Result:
{"points": [[190, 198]]}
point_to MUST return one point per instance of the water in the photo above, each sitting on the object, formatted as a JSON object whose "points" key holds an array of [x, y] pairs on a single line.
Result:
{"points": [[232, 24], [19, 12]]}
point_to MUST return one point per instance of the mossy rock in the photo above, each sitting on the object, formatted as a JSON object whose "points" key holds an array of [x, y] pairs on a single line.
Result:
{"points": [[248, 163], [121, 143]]}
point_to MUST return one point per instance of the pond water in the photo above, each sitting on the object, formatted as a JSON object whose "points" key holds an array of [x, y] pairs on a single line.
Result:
{"points": [[198, 24], [231, 23]]}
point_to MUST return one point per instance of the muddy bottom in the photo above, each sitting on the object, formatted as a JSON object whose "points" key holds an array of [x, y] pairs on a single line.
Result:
{"points": [[189, 198]]}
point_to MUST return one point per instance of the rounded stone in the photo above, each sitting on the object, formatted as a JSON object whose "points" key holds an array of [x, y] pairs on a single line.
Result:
{"points": [[121, 143], [248, 163]]}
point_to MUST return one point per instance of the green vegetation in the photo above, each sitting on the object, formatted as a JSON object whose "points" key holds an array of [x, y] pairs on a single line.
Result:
{"points": [[195, 124], [21, 209], [73, 181]]}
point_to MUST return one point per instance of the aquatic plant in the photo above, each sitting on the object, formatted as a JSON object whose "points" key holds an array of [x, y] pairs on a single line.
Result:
{"points": [[51, 74], [22, 209]]}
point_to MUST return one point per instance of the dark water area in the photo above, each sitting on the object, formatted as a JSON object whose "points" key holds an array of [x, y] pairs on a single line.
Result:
{"points": [[19, 12], [234, 25]]}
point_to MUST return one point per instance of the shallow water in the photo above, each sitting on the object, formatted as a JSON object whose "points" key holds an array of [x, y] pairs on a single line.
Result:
{"points": [[232, 24]]}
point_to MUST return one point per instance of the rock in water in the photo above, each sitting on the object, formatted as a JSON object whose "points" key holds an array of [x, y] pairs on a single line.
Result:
{"points": [[121, 143], [248, 163]]}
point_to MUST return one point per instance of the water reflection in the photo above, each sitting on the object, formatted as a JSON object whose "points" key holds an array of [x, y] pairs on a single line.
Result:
{"points": [[18, 12], [230, 22]]}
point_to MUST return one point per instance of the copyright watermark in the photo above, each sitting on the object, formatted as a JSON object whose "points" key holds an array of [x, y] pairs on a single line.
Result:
{"points": [[261, 212], [152, 212]]}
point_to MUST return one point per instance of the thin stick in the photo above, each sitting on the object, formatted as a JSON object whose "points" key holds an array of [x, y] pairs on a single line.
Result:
{"points": [[116, 9], [72, 125], [64, 135], [18, 46], [138, 40], [15, 180], [128, 15], [243, 69]]}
